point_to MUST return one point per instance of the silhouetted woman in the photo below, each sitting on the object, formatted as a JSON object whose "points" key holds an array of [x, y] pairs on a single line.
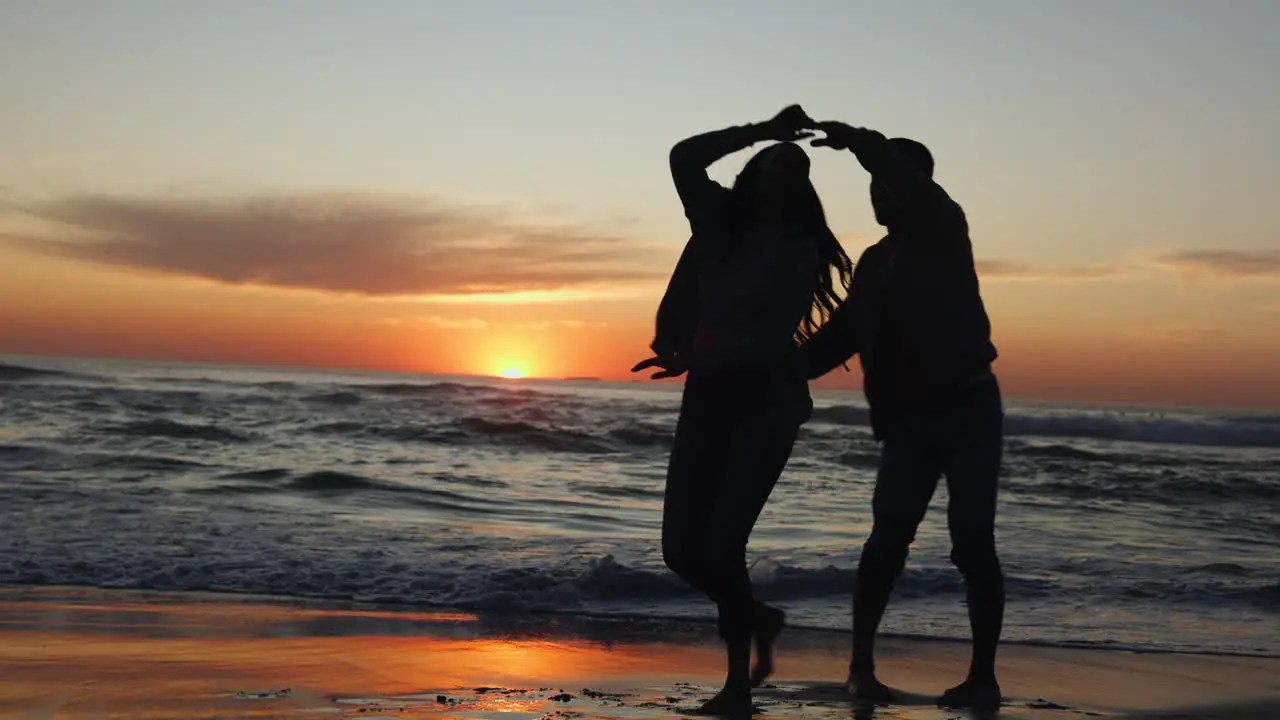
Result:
{"points": [[755, 278]]}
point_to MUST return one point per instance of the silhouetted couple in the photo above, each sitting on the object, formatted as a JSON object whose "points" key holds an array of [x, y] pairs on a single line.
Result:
{"points": [[751, 314]]}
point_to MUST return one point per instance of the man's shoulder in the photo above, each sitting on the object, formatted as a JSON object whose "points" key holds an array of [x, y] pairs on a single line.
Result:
{"points": [[944, 219], [875, 249], [948, 214], [957, 215], [871, 260]]}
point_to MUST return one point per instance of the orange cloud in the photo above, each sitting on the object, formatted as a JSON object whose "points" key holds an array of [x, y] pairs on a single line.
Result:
{"points": [[1222, 264], [1187, 264], [338, 243], [1005, 270], [448, 323], [1178, 334]]}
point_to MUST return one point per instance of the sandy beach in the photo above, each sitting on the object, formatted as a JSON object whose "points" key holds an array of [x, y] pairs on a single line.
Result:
{"points": [[73, 653]]}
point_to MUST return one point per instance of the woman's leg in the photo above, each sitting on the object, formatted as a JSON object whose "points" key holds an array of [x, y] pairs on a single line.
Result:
{"points": [[696, 464], [758, 450], [767, 623]]}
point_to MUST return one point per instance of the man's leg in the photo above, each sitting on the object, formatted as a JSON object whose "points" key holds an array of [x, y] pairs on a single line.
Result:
{"points": [[909, 470], [973, 469]]}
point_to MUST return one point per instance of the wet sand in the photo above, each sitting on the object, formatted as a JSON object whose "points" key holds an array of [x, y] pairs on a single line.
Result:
{"points": [[68, 653]]}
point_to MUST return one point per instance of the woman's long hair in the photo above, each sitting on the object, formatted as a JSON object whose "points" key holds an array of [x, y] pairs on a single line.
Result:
{"points": [[804, 208]]}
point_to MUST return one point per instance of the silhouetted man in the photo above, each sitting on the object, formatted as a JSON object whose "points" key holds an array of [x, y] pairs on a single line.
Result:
{"points": [[916, 318]]}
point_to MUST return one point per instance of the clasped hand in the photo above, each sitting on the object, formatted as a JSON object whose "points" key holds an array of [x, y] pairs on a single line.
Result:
{"points": [[793, 124]]}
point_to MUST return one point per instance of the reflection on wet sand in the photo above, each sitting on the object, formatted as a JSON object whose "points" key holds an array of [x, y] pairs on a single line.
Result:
{"points": [[195, 659], [98, 654]]}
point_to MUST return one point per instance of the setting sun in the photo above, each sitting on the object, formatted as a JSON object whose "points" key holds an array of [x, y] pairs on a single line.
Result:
{"points": [[511, 374]]}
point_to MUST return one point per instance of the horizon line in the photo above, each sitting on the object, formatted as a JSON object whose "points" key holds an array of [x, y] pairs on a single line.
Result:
{"points": [[644, 381]]}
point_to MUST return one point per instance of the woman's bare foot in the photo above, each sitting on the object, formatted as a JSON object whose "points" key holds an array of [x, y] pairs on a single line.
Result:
{"points": [[731, 701], [973, 694], [769, 624], [869, 689]]}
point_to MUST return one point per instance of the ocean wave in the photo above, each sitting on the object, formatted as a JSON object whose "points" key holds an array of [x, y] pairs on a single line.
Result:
{"points": [[334, 481], [1267, 596], [12, 373], [340, 398], [564, 587], [1158, 485], [320, 481], [1225, 569], [274, 385], [340, 427], [841, 415], [617, 491], [402, 433], [137, 461], [513, 434], [861, 459], [1256, 419], [335, 485], [178, 431], [26, 457], [1233, 431], [427, 388], [1058, 452], [642, 435], [1169, 431], [506, 588], [471, 481], [262, 474], [522, 433], [549, 437]]}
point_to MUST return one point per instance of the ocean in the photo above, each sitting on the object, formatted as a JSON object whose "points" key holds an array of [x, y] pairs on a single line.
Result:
{"points": [[1119, 527]]}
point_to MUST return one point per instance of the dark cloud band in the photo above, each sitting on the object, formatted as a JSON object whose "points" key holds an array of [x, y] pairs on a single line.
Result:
{"points": [[343, 244]]}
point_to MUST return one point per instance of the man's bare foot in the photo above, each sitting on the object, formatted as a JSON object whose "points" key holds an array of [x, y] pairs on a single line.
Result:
{"points": [[769, 625], [868, 688], [732, 702], [974, 694]]}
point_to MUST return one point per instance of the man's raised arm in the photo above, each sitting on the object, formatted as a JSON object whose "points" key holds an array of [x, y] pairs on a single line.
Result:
{"points": [[910, 185]]}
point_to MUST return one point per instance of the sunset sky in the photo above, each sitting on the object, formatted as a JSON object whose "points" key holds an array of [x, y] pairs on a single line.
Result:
{"points": [[472, 187]]}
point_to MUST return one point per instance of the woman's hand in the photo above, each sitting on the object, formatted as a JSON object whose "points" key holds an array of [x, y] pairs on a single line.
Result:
{"points": [[793, 123], [670, 367]]}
